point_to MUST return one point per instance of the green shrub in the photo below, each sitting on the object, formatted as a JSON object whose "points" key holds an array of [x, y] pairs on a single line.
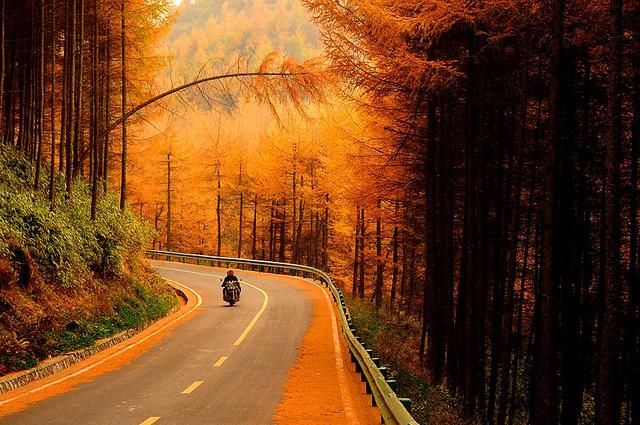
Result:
{"points": [[78, 280], [64, 243]]}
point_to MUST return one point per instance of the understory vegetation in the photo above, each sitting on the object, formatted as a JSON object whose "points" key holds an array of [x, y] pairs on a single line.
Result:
{"points": [[66, 280], [391, 336]]}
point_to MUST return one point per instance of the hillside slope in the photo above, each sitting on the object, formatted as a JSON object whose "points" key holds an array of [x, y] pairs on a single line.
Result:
{"points": [[66, 281]]}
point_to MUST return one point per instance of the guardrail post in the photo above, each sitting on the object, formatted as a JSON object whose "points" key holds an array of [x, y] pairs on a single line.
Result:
{"points": [[406, 402], [384, 371]]}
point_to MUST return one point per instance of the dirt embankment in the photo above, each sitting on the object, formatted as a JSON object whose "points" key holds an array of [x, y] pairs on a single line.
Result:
{"points": [[113, 358], [40, 320]]}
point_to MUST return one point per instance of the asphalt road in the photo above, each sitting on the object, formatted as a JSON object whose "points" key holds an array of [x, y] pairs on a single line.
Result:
{"points": [[226, 365]]}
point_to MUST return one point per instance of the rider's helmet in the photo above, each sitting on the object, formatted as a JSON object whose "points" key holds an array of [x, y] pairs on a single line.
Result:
{"points": [[229, 272]]}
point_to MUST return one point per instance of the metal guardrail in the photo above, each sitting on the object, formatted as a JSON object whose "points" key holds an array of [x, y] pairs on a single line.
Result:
{"points": [[393, 410]]}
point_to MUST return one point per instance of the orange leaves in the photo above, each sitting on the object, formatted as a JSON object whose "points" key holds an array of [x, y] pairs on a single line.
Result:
{"points": [[287, 82]]}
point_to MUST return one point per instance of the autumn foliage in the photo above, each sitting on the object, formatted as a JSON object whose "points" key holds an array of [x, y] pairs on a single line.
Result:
{"points": [[469, 165], [513, 130]]}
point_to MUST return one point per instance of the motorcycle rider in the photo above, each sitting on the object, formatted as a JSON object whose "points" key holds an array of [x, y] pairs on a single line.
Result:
{"points": [[230, 277]]}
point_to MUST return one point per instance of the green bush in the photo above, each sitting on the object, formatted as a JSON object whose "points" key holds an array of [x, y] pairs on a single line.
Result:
{"points": [[78, 280], [64, 243]]}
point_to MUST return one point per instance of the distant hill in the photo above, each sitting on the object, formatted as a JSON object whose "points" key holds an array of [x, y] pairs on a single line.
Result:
{"points": [[219, 31]]}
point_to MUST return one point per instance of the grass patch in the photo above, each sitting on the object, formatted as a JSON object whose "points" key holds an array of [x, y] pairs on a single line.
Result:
{"points": [[131, 314]]}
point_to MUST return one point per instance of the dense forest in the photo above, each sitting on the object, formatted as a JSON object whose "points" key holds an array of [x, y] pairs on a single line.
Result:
{"points": [[514, 128], [470, 165], [67, 68]]}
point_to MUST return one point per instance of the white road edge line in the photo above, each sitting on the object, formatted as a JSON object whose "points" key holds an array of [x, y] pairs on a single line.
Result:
{"points": [[342, 378], [117, 353], [255, 318]]}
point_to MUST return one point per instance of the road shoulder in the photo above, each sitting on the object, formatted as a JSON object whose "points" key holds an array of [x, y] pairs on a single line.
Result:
{"points": [[321, 387], [110, 359]]}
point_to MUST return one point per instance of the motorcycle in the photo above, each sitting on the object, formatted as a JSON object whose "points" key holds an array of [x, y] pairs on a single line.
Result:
{"points": [[231, 293]]}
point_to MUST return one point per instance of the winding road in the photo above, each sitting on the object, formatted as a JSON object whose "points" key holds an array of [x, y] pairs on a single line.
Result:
{"points": [[225, 365]]}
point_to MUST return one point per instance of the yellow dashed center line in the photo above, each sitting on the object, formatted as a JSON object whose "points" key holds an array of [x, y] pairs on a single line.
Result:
{"points": [[151, 420], [192, 387], [220, 361]]}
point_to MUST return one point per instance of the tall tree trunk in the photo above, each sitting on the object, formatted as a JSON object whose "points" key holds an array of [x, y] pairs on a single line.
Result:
{"points": [[362, 254], [412, 277], [95, 137], [41, 82], [429, 293], [107, 112], [2, 62], [634, 275], [294, 184], [377, 293], [70, 90], [354, 289], [298, 246], [240, 225], [545, 408], [405, 262], [272, 231], [609, 399], [394, 278], [218, 209], [169, 241], [254, 235], [325, 236], [283, 232], [52, 109], [123, 78], [316, 241], [79, 105]]}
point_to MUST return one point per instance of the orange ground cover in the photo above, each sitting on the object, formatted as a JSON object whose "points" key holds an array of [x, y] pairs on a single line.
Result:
{"points": [[313, 393]]}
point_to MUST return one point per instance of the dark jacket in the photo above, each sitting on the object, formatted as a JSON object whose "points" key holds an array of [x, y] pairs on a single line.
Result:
{"points": [[228, 279]]}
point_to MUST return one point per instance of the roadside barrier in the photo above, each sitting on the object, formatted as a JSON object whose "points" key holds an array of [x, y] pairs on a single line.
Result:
{"points": [[393, 409]]}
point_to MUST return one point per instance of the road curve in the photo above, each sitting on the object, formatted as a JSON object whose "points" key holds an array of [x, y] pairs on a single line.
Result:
{"points": [[227, 365]]}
